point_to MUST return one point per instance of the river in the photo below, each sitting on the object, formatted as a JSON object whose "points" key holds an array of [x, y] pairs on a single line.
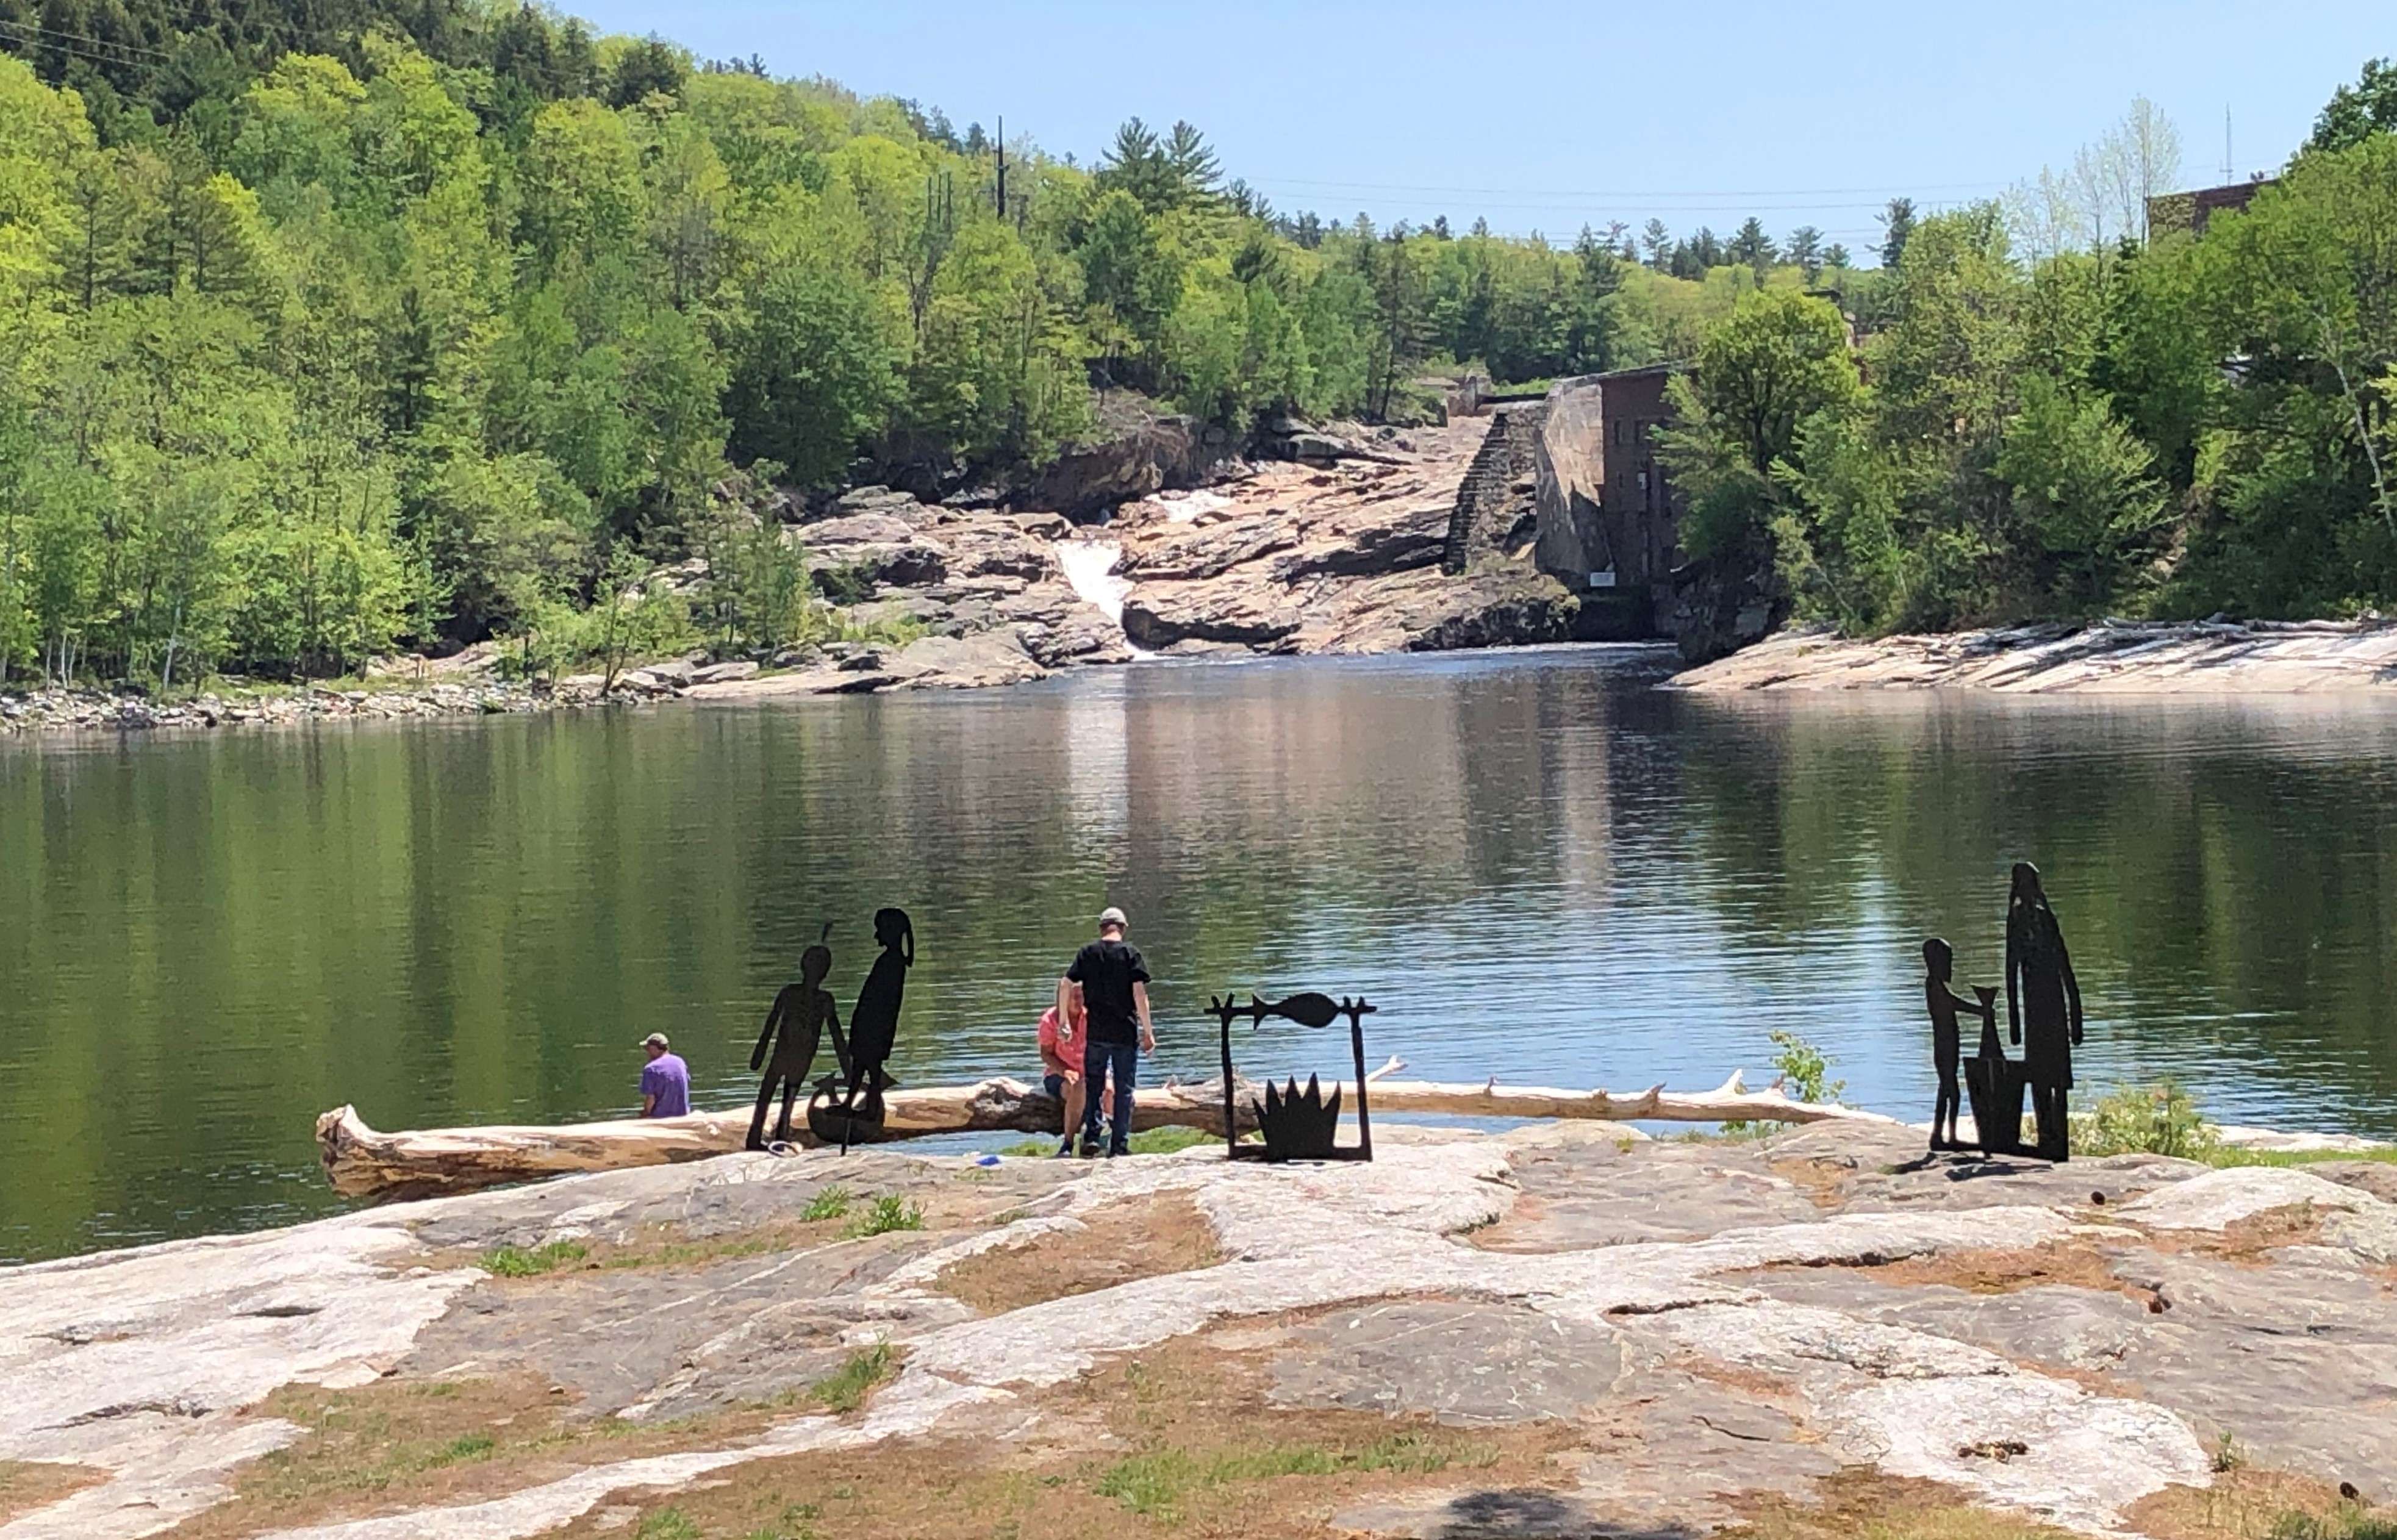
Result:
{"points": [[1538, 864]]}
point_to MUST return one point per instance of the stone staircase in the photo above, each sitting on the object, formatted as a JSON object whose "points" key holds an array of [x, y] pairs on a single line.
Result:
{"points": [[1487, 499]]}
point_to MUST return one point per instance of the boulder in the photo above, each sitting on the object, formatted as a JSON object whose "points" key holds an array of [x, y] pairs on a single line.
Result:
{"points": [[963, 663], [1146, 455], [1724, 603], [1224, 610]]}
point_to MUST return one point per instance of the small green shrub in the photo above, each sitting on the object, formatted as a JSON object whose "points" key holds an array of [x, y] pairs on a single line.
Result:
{"points": [[2162, 1118], [831, 1203], [1805, 1073], [888, 1213], [522, 1262], [1804, 1068], [844, 1389], [843, 582]]}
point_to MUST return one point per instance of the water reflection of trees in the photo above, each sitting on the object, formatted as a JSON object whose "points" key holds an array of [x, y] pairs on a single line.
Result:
{"points": [[2225, 867], [210, 940]]}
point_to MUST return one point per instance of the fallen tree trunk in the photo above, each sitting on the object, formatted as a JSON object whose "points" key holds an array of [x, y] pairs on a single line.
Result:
{"points": [[361, 1162]]}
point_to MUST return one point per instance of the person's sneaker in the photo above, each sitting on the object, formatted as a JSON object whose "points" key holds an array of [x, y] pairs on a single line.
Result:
{"points": [[1064, 1148], [1090, 1149]]}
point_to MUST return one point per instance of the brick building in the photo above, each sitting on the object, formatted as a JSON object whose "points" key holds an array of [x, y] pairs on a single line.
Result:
{"points": [[2191, 211], [1609, 527]]}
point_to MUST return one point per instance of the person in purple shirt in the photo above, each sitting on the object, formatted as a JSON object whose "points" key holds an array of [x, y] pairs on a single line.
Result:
{"points": [[665, 1080]]}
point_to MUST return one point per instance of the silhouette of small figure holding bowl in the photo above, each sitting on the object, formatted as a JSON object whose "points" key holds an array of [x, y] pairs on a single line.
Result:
{"points": [[1947, 1041], [802, 1013], [2043, 1008], [874, 1025]]}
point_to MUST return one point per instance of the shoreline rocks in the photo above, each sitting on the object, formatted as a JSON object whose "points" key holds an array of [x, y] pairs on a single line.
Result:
{"points": [[2102, 657]]}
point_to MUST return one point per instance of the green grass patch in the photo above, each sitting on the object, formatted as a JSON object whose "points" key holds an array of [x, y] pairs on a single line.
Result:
{"points": [[845, 1388], [2351, 1526], [831, 1203], [2225, 1156], [1156, 1483], [669, 1524], [465, 1446], [286, 1475], [886, 1213], [1164, 1141], [531, 1261], [684, 1253]]}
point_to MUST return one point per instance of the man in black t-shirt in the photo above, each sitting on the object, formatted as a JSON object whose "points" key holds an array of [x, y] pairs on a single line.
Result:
{"points": [[1110, 980]]}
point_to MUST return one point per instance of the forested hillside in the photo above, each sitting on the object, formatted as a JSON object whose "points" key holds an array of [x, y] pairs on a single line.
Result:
{"points": [[332, 325], [2049, 418], [346, 324]]}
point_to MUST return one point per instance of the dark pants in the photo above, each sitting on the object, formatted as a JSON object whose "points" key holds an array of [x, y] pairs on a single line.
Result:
{"points": [[1100, 1062]]}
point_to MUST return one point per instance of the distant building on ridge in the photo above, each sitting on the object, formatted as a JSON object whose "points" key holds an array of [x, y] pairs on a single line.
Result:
{"points": [[2191, 211]]}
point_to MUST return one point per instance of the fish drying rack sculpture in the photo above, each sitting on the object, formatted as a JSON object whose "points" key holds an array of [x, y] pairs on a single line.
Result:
{"points": [[1298, 1125]]}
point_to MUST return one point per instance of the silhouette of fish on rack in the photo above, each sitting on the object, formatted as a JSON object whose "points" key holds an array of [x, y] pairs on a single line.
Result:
{"points": [[1298, 1125]]}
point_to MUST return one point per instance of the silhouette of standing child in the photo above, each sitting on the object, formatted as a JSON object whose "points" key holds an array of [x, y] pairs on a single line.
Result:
{"points": [[1946, 1043], [874, 1025], [802, 1013]]}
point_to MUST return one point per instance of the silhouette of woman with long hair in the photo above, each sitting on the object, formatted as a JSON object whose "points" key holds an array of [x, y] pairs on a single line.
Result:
{"points": [[802, 1013], [874, 1025], [2043, 1007]]}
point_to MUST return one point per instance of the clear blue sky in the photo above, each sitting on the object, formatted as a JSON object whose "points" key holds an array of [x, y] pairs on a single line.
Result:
{"points": [[1545, 113]]}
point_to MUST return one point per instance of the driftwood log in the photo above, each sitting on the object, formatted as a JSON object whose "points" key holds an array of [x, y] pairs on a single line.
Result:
{"points": [[361, 1162]]}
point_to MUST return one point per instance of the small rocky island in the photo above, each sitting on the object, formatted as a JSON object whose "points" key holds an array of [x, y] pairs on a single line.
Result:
{"points": [[1567, 1330]]}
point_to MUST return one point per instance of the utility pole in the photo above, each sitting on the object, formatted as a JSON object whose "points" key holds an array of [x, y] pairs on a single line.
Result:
{"points": [[2229, 166], [1003, 165]]}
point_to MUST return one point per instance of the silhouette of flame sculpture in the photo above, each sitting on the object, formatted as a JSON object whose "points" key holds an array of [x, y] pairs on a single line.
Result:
{"points": [[1298, 1125]]}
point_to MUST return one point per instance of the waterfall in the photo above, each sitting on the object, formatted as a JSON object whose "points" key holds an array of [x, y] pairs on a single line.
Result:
{"points": [[1090, 569]]}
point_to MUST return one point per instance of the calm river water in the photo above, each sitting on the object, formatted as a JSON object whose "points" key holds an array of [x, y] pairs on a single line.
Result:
{"points": [[1537, 863]]}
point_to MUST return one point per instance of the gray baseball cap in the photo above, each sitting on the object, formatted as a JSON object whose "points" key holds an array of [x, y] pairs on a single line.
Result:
{"points": [[655, 1039], [1113, 916]]}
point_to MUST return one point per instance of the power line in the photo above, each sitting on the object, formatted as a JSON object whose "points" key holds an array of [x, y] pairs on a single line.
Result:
{"points": [[1657, 192], [78, 37]]}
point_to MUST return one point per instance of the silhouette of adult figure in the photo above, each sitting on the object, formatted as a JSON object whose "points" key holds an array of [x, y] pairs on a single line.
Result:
{"points": [[2043, 1007], [1947, 1042], [874, 1025], [801, 1013]]}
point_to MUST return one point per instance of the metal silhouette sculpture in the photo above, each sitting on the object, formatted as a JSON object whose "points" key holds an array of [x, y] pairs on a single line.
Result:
{"points": [[872, 1030], [1946, 1043], [801, 1014], [1298, 1125], [2043, 1008]]}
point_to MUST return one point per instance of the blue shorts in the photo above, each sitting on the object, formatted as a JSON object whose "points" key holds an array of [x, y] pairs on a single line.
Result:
{"points": [[1054, 1085]]}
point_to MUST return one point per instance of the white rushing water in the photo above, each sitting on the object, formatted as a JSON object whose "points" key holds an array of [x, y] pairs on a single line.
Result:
{"points": [[1090, 569]]}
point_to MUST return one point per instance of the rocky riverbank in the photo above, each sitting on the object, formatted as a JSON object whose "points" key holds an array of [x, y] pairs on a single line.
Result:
{"points": [[1564, 1330], [2122, 657], [46, 710], [1336, 552], [1339, 553]]}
